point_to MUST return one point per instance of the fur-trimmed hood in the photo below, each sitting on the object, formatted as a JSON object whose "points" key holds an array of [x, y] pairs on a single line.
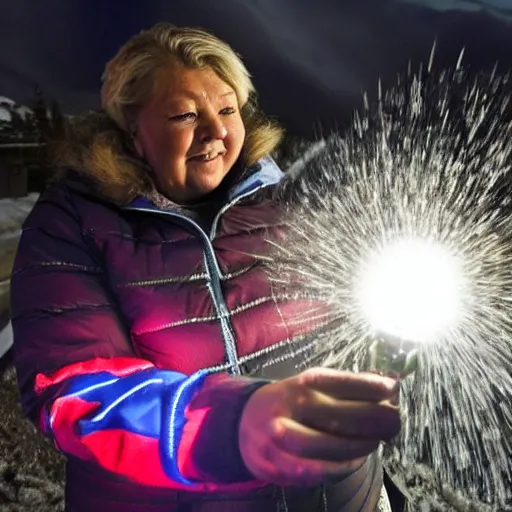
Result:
{"points": [[94, 148]]}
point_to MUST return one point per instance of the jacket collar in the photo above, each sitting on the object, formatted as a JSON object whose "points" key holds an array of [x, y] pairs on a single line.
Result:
{"points": [[264, 173]]}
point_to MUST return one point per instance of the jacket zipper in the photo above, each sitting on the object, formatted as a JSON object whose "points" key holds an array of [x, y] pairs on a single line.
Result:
{"points": [[214, 274]]}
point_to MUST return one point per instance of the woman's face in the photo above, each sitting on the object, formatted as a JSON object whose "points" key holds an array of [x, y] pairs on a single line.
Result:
{"points": [[190, 131]]}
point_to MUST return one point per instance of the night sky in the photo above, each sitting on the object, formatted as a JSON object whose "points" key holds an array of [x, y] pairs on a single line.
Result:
{"points": [[310, 59]]}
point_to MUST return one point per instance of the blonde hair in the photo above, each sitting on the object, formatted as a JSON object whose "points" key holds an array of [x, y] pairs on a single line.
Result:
{"points": [[128, 80]]}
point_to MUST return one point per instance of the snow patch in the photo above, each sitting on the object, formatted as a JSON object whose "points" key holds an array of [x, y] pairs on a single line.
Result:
{"points": [[6, 339], [13, 212]]}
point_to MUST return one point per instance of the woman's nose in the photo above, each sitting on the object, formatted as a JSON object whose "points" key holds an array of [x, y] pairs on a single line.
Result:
{"points": [[213, 129]]}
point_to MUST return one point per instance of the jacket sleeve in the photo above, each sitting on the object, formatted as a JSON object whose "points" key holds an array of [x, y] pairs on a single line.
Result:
{"points": [[82, 384]]}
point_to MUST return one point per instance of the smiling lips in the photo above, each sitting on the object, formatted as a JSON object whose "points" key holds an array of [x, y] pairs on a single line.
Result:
{"points": [[206, 157]]}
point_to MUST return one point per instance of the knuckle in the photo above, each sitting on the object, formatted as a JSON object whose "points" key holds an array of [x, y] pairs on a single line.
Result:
{"points": [[297, 396], [277, 430], [286, 440], [301, 399], [309, 377]]}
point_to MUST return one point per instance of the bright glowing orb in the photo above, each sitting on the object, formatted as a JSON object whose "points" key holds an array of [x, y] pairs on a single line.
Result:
{"points": [[411, 289]]}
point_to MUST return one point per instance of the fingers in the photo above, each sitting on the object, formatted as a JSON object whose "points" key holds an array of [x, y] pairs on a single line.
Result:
{"points": [[308, 443], [286, 469], [352, 419], [365, 387], [316, 427]]}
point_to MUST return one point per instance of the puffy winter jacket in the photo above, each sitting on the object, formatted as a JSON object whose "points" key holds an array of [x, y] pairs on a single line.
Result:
{"points": [[134, 327]]}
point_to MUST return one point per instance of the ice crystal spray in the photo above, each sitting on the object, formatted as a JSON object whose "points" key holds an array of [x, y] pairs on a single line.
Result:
{"points": [[423, 175]]}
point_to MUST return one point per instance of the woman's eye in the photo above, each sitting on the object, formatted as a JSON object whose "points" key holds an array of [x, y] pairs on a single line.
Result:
{"points": [[227, 111], [188, 116]]}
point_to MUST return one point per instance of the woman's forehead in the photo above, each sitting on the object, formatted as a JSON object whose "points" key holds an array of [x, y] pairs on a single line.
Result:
{"points": [[182, 83]]}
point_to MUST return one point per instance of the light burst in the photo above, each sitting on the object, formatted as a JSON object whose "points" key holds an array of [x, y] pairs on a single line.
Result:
{"points": [[428, 170], [408, 292], [411, 289]]}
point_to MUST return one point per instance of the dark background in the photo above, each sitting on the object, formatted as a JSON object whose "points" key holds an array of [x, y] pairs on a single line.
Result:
{"points": [[310, 59]]}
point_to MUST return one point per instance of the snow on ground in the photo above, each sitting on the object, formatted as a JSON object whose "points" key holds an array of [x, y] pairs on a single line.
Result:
{"points": [[31, 472], [12, 214], [5, 339]]}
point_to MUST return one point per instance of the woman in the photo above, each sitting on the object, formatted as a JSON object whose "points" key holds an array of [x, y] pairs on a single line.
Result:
{"points": [[138, 308]]}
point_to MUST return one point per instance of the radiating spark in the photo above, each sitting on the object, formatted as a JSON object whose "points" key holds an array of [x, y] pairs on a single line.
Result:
{"points": [[431, 162]]}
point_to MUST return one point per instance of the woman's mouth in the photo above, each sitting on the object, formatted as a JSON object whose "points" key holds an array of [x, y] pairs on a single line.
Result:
{"points": [[206, 157]]}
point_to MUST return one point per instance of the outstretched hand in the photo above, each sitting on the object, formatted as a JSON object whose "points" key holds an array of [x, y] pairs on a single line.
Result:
{"points": [[316, 426]]}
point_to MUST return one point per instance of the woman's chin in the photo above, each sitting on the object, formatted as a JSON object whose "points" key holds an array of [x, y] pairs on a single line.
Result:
{"points": [[206, 177]]}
